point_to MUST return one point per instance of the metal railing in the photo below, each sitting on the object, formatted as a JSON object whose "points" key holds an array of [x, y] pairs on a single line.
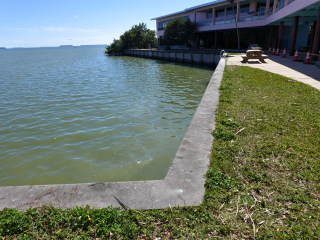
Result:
{"points": [[270, 12], [207, 22], [252, 16], [224, 20], [281, 4]]}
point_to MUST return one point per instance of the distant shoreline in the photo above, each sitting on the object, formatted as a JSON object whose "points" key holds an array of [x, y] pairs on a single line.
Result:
{"points": [[61, 46]]}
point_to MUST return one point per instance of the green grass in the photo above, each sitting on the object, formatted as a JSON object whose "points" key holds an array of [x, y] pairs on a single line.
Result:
{"points": [[262, 182]]}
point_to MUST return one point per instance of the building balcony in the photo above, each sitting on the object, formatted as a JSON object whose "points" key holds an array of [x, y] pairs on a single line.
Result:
{"points": [[207, 22], [270, 12], [281, 4], [252, 16], [224, 20]]}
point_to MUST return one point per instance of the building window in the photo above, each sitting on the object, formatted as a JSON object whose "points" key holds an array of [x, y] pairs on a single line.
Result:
{"points": [[231, 11], [209, 15], [261, 7], [220, 13], [162, 25], [244, 8], [186, 17]]}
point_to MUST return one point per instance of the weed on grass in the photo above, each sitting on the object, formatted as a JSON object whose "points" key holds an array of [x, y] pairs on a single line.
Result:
{"points": [[263, 181]]}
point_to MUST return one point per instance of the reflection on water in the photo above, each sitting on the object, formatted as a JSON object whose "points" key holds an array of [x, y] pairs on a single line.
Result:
{"points": [[75, 115]]}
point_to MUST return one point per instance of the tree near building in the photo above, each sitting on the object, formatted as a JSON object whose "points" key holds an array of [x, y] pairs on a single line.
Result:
{"points": [[231, 3], [139, 36], [179, 31]]}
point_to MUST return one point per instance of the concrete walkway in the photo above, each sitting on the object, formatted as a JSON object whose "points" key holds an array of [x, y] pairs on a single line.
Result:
{"points": [[306, 73]]}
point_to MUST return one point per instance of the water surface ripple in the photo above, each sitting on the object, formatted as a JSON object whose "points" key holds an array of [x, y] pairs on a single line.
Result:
{"points": [[75, 115]]}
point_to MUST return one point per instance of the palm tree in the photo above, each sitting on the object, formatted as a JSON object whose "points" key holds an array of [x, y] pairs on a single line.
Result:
{"points": [[231, 2]]}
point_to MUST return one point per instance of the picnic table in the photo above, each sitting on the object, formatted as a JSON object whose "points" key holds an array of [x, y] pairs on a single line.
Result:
{"points": [[254, 54]]}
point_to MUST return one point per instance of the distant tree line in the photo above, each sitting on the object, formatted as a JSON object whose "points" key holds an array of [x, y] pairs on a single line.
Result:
{"points": [[179, 31], [139, 37]]}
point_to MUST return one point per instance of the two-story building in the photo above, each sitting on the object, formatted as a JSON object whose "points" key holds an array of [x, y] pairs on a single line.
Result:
{"points": [[289, 24]]}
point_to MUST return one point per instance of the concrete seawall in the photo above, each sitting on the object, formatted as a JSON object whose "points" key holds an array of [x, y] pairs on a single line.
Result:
{"points": [[208, 58], [182, 186]]}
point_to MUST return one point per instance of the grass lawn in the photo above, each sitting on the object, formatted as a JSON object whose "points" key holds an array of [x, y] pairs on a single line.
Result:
{"points": [[263, 180]]}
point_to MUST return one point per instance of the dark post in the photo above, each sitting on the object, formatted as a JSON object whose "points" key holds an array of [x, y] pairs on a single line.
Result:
{"points": [[227, 39], [215, 39], [316, 41], [294, 35], [313, 31], [280, 35], [251, 36], [197, 40], [239, 32], [271, 36]]}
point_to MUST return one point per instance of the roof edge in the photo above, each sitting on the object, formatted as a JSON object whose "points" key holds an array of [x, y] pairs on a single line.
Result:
{"points": [[169, 15], [191, 8]]}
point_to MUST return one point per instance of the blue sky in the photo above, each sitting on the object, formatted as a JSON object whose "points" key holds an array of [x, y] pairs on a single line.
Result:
{"points": [[39, 23]]}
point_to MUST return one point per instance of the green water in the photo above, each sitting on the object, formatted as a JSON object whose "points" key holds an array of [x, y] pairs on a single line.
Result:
{"points": [[75, 115]]}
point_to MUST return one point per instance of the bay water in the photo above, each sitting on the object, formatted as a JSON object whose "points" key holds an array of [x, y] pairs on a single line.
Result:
{"points": [[76, 115]]}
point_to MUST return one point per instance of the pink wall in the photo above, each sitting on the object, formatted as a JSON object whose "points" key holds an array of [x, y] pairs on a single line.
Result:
{"points": [[289, 9], [201, 16], [253, 6]]}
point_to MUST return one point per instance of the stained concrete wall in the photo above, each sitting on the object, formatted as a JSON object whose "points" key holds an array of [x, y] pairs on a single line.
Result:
{"points": [[208, 58]]}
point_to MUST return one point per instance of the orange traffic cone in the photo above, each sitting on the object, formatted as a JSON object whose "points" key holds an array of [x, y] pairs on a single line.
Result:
{"points": [[278, 54], [269, 50], [284, 53], [307, 61], [273, 51], [295, 58]]}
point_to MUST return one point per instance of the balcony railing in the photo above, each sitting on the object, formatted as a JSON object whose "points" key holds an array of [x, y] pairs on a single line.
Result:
{"points": [[252, 16], [281, 4], [270, 12], [224, 20], [207, 22]]}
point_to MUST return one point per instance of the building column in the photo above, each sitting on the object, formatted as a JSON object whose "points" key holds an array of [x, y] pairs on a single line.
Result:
{"points": [[313, 31], [239, 29], [238, 11], [195, 16], [227, 39], [275, 6], [271, 36], [252, 37], [213, 15], [287, 2], [215, 39], [316, 41], [197, 40], [267, 7], [280, 35], [294, 35]]}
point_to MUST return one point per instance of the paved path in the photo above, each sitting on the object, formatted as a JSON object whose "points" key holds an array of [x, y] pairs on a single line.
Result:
{"points": [[306, 73]]}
